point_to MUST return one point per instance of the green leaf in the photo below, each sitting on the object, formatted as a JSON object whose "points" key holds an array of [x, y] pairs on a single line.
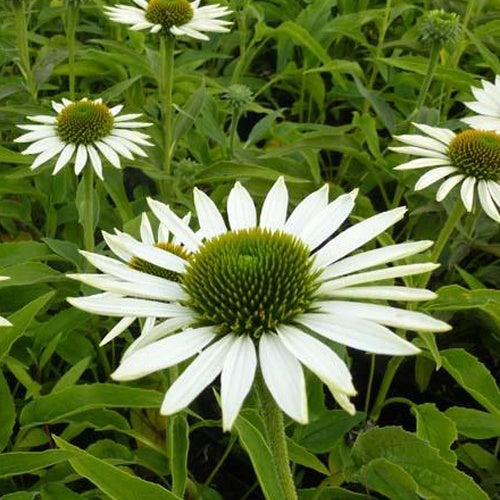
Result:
{"points": [[56, 491], [21, 321], [301, 456], [178, 432], [331, 493], [78, 398], [436, 428], [12, 464], [473, 423], [260, 455], [389, 479], [111, 480], [435, 478], [322, 434], [7, 412], [474, 377], [21, 252], [187, 116], [72, 375], [29, 273]]}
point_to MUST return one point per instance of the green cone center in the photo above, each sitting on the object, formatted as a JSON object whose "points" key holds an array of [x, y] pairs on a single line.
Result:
{"points": [[161, 272], [84, 122], [477, 154], [247, 282], [169, 13]]}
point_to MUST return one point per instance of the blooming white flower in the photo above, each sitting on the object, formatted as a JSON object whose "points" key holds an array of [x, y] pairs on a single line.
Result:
{"points": [[3, 321], [470, 158], [175, 17], [487, 105], [84, 130], [262, 291]]}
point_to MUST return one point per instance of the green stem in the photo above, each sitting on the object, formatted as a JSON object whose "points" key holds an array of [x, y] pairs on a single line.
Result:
{"points": [[88, 221], [390, 372], [233, 130], [431, 70], [370, 384], [165, 87], [23, 46], [443, 237], [71, 23], [216, 469], [275, 431]]}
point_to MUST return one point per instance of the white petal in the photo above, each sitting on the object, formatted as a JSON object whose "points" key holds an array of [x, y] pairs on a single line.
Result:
{"points": [[64, 158], [284, 377], [467, 193], [422, 142], [323, 224], [441, 134], [42, 145], [483, 122], [81, 158], [47, 155], [344, 402], [486, 201], [36, 136], [373, 258], [358, 334], [357, 235], [57, 106], [108, 153], [45, 119], [147, 235], [423, 163], [176, 225], [432, 176], [95, 160], [319, 358], [447, 186], [494, 188], [164, 353], [237, 378], [241, 209], [413, 150], [273, 213], [115, 110], [4, 322], [117, 330], [311, 204], [379, 275], [117, 144], [400, 293], [112, 305], [198, 375], [210, 219], [384, 315]]}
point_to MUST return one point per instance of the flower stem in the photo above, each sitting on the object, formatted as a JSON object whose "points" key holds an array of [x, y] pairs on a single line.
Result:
{"points": [[233, 130], [431, 70], [390, 372], [23, 47], [71, 23], [88, 220], [276, 437], [165, 87]]}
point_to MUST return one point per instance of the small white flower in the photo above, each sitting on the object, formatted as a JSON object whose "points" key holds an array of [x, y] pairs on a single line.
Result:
{"points": [[487, 105], [260, 291], [3, 321], [84, 130], [470, 158], [175, 17]]}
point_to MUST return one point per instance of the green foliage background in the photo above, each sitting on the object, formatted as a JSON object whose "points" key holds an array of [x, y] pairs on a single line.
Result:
{"points": [[332, 81]]}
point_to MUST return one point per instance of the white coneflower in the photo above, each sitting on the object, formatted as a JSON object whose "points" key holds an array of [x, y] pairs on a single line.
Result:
{"points": [[175, 17], [261, 291], [3, 321], [487, 105], [470, 158], [84, 130]]}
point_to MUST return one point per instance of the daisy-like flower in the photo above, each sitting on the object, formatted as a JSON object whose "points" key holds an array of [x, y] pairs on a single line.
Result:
{"points": [[470, 158], [174, 17], [3, 321], [487, 105], [261, 291], [84, 130]]}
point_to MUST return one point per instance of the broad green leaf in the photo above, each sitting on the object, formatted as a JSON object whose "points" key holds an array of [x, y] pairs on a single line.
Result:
{"points": [[301, 456], [474, 377], [21, 252], [260, 456], [475, 457], [7, 412], [75, 399], [178, 432], [20, 495], [389, 479], [30, 273], [21, 321], [187, 116], [116, 483], [436, 428], [435, 477], [12, 464], [475, 424], [57, 491], [330, 493], [321, 435]]}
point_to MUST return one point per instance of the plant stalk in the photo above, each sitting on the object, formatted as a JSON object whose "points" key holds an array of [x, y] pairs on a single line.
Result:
{"points": [[88, 221], [276, 437], [165, 87], [431, 70], [71, 23]]}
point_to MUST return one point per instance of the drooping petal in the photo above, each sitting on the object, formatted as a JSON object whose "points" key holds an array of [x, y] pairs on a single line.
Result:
{"points": [[467, 193], [117, 330]]}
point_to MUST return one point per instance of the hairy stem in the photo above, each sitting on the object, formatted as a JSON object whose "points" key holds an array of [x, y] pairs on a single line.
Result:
{"points": [[71, 23]]}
